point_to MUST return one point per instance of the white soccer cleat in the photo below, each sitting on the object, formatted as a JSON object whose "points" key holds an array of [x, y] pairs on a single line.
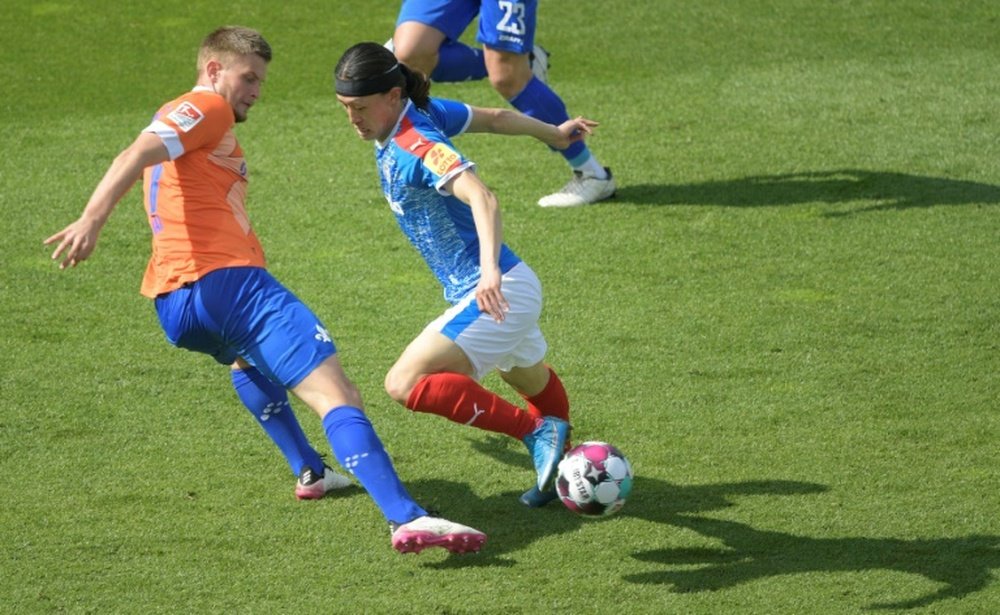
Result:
{"points": [[312, 486], [423, 532], [539, 60], [581, 191]]}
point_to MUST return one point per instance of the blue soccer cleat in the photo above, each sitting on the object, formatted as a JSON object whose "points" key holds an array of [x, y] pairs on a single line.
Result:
{"points": [[546, 444], [533, 498]]}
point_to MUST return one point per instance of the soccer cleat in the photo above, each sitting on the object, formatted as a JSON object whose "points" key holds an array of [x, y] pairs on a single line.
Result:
{"points": [[581, 191], [546, 444], [423, 532], [533, 498], [313, 486], [539, 60]]}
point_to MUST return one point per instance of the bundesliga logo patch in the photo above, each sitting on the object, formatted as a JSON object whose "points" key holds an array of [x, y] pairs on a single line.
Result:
{"points": [[186, 116]]}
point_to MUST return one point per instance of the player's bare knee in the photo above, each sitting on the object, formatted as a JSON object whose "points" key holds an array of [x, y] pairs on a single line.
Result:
{"points": [[398, 386], [416, 57], [508, 84], [509, 73]]}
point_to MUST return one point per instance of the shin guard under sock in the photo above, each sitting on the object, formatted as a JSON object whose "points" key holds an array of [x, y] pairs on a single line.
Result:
{"points": [[461, 399], [358, 449], [268, 403], [552, 401]]}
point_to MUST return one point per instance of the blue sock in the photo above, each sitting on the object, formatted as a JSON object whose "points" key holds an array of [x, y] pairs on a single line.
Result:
{"points": [[540, 102], [268, 403], [459, 62], [359, 450]]}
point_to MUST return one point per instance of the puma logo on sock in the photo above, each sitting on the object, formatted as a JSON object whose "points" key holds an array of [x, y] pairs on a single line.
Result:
{"points": [[477, 412]]}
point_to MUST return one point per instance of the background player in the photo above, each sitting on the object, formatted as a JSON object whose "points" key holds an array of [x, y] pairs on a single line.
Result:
{"points": [[426, 39], [208, 280]]}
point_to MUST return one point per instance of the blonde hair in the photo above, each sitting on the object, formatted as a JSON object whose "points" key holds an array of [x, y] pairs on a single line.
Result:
{"points": [[228, 42]]}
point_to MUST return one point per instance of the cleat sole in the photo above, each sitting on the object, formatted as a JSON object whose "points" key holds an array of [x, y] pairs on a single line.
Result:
{"points": [[454, 543]]}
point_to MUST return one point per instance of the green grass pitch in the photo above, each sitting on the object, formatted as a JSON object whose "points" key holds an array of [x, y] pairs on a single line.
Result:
{"points": [[788, 319]]}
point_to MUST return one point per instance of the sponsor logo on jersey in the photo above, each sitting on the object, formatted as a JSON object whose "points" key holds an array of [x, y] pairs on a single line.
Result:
{"points": [[440, 158], [186, 116]]}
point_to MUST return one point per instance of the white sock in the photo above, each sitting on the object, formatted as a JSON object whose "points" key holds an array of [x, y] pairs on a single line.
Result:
{"points": [[592, 168]]}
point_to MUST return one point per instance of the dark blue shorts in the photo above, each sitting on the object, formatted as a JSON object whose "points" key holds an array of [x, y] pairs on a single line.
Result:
{"points": [[506, 25], [245, 312]]}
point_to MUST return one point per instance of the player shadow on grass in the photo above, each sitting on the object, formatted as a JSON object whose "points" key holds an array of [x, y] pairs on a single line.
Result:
{"points": [[871, 190], [963, 565], [512, 527]]}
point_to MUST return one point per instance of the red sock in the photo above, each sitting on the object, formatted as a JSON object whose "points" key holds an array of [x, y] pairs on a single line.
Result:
{"points": [[552, 401], [461, 399]]}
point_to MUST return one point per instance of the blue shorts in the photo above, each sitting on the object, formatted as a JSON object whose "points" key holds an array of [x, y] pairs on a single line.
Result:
{"points": [[506, 25], [245, 312]]}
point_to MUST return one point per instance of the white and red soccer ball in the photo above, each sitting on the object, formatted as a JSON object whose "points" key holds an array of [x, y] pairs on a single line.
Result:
{"points": [[594, 479]]}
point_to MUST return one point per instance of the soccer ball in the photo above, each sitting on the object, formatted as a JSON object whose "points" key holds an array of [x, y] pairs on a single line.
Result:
{"points": [[594, 479]]}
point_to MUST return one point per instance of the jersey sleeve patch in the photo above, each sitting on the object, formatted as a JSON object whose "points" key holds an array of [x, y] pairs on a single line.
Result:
{"points": [[186, 116], [440, 159]]}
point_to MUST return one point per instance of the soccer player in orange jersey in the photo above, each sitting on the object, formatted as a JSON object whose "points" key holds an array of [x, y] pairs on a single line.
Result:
{"points": [[213, 294]]}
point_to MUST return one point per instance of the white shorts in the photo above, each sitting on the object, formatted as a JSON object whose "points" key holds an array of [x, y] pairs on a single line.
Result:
{"points": [[515, 342]]}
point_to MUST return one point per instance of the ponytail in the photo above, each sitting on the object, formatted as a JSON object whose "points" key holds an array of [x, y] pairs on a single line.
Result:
{"points": [[418, 86]]}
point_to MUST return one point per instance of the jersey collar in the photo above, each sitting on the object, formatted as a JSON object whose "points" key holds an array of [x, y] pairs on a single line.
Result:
{"points": [[395, 129]]}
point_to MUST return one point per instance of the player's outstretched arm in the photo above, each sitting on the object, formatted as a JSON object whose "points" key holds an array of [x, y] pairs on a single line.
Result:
{"points": [[510, 122], [77, 241]]}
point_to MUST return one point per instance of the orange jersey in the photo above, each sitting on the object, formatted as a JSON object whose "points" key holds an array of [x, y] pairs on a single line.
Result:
{"points": [[195, 201]]}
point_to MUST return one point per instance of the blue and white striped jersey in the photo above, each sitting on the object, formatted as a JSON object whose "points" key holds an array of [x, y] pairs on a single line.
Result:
{"points": [[414, 165]]}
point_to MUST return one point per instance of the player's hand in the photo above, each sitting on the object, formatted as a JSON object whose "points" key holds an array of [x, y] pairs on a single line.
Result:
{"points": [[489, 298], [571, 131], [75, 242]]}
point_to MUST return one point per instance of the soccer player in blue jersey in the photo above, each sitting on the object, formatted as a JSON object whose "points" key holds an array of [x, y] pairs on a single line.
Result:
{"points": [[453, 220], [213, 294], [426, 39]]}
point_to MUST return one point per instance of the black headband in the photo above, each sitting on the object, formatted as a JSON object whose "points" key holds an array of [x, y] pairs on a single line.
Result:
{"points": [[374, 85]]}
